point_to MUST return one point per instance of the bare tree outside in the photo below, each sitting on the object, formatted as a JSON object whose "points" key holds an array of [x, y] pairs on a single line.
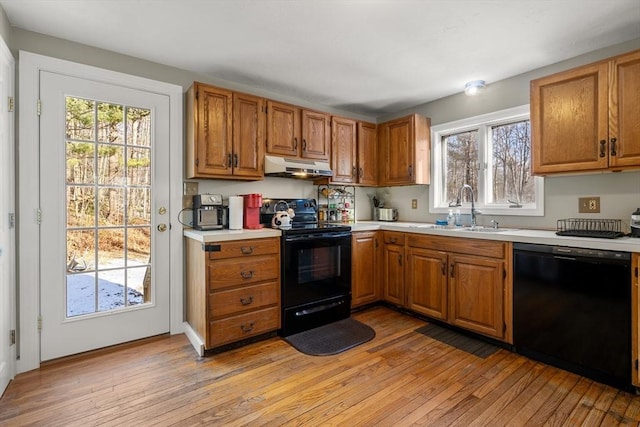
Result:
{"points": [[462, 163], [512, 163], [108, 177]]}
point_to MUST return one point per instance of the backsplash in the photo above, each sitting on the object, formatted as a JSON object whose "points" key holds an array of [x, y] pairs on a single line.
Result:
{"points": [[619, 196]]}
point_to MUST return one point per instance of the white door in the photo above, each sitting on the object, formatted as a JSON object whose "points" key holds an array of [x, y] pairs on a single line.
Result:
{"points": [[104, 201], [7, 230]]}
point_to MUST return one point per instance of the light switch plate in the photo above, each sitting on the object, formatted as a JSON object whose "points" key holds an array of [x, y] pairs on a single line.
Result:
{"points": [[589, 204]]}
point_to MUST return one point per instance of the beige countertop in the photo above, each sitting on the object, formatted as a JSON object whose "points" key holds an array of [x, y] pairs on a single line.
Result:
{"points": [[546, 237], [229, 235]]}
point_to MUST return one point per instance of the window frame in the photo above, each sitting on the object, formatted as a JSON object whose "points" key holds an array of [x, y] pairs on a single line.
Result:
{"points": [[483, 123]]}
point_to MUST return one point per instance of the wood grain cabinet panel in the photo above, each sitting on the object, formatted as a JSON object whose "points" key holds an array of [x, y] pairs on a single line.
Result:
{"points": [[587, 118], [393, 262], [225, 134], [233, 289], [298, 133], [404, 151], [366, 250], [344, 150], [367, 153], [463, 282]]}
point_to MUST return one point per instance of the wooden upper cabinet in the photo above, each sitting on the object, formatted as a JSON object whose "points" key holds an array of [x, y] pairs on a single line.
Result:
{"points": [[225, 134], [209, 131], [404, 154], [343, 150], [587, 118], [295, 132], [316, 135], [248, 135], [624, 111], [283, 129], [367, 153]]}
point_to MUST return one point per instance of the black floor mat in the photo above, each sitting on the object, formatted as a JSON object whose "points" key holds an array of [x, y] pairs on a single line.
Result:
{"points": [[333, 338], [470, 345]]}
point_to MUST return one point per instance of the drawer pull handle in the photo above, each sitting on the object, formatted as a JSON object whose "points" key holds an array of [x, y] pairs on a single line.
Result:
{"points": [[393, 240], [247, 328], [247, 274], [444, 268], [246, 301], [452, 268], [246, 250], [602, 148]]}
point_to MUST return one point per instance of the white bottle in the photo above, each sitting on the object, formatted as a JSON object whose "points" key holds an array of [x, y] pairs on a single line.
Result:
{"points": [[451, 220], [458, 223]]}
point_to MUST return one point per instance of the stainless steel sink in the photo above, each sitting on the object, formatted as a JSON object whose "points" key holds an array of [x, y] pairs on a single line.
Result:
{"points": [[480, 229]]}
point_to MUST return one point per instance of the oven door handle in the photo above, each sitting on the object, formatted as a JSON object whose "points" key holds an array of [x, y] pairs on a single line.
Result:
{"points": [[317, 236]]}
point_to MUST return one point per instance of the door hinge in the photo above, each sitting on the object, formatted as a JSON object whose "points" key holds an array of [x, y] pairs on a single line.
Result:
{"points": [[12, 104], [39, 107], [38, 216], [39, 323], [12, 337], [12, 220]]}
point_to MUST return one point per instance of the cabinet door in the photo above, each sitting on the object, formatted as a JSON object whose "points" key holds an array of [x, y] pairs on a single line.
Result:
{"points": [[624, 111], [569, 120], [316, 135], [426, 274], [393, 265], [213, 136], [283, 129], [343, 150], [397, 152], [476, 294], [365, 264], [248, 135], [367, 153]]}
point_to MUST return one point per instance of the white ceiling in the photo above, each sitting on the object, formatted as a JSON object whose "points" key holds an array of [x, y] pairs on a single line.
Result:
{"points": [[365, 56]]}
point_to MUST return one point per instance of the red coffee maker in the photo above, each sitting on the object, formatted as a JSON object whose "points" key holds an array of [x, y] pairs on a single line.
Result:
{"points": [[252, 205]]}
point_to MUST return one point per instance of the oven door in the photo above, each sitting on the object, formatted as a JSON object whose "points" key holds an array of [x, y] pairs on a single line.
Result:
{"points": [[316, 280]]}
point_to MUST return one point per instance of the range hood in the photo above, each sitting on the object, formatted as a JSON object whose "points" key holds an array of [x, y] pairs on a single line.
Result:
{"points": [[296, 168]]}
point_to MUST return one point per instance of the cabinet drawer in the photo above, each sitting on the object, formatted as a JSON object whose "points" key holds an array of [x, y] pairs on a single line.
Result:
{"points": [[243, 326], [243, 248], [489, 248], [394, 238], [232, 272], [224, 303]]}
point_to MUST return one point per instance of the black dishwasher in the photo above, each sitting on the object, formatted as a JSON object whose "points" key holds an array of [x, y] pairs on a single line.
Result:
{"points": [[572, 309]]}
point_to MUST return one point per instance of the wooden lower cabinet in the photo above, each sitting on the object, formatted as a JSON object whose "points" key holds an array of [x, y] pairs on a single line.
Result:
{"points": [[366, 251], [460, 281], [393, 268], [427, 282], [233, 289]]}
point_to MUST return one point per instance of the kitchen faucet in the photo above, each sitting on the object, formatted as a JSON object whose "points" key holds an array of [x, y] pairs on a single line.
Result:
{"points": [[473, 206]]}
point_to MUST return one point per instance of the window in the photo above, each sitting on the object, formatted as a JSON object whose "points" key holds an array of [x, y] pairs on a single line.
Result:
{"points": [[492, 154]]}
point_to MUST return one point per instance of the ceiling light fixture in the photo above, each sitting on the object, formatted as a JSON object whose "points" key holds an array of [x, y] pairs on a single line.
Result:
{"points": [[473, 87]]}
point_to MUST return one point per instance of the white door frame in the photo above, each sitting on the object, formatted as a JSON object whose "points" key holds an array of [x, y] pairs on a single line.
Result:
{"points": [[7, 166], [30, 65]]}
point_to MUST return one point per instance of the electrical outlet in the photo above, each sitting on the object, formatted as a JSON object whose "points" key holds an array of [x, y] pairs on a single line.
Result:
{"points": [[414, 203], [190, 188], [589, 204]]}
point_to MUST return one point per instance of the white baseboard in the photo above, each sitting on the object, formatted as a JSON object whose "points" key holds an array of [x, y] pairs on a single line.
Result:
{"points": [[194, 339]]}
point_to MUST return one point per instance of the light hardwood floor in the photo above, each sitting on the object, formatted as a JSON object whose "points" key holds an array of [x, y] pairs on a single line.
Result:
{"points": [[399, 378]]}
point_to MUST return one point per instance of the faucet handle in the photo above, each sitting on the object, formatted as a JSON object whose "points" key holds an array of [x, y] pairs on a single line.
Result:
{"points": [[495, 224]]}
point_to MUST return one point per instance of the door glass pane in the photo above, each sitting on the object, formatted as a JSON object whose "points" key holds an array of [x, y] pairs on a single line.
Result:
{"points": [[108, 206]]}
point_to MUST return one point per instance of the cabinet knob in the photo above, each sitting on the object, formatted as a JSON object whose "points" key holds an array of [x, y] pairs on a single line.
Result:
{"points": [[603, 143], [613, 146]]}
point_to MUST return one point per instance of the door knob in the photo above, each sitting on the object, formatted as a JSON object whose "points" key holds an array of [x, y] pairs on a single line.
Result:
{"points": [[162, 227]]}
